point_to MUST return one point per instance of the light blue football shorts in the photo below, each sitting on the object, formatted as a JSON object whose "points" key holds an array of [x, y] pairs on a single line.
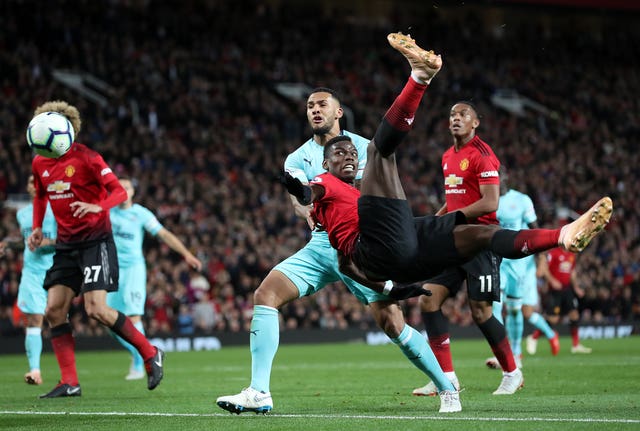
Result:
{"points": [[518, 280], [32, 298], [316, 265], [530, 294], [131, 295]]}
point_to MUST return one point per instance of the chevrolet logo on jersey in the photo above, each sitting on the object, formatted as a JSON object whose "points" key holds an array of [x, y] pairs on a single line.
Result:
{"points": [[58, 186], [452, 180]]}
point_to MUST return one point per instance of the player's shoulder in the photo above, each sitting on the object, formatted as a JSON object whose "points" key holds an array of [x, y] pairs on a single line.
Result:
{"points": [[516, 194], [355, 138], [81, 150], [321, 177], [140, 209], [481, 147], [325, 178], [304, 147], [305, 151]]}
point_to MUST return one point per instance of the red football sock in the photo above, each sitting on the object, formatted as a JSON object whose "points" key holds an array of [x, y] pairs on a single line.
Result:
{"points": [[400, 114], [575, 338], [514, 244], [504, 355], [496, 336], [441, 349], [536, 334], [536, 240], [125, 329], [64, 346]]}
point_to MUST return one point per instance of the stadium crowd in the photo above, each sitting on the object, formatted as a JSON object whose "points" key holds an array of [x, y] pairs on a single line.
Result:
{"points": [[192, 113]]}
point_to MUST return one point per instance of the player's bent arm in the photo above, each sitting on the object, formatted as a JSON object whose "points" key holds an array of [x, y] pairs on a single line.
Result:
{"points": [[35, 239], [117, 194], [306, 194], [178, 246], [39, 208], [303, 211], [47, 241], [488, 203]]}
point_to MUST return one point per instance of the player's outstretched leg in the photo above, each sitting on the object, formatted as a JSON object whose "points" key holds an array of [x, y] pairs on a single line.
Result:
{"points": [[424, 66], [576, 235]]}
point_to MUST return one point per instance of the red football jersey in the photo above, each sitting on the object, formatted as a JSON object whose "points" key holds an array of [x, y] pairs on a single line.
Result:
{"points": [[561, 264], [79, 175], [465, 171], [337, 212]]}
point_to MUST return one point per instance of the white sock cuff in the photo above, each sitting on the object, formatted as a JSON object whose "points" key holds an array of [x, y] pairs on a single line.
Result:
{"points": [[264, 309], [418, 79], [34, 330]]}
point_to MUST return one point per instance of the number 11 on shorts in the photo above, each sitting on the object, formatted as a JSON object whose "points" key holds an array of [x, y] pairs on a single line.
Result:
{"points": [[485, 283]]}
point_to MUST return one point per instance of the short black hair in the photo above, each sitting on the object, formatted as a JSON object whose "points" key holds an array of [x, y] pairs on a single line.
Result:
{"points": [[333, 93], [332, 141], [471, 105]]}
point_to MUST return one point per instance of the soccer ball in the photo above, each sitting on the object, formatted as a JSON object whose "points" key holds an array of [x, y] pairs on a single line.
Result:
{"points": [[50, 134]]}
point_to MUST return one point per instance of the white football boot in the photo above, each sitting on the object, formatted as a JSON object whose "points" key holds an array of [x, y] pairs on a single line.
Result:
{"points": [[248, 400]]}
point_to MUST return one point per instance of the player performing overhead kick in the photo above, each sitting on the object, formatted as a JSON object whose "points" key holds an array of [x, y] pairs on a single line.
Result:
{"points": [[373, 228]]}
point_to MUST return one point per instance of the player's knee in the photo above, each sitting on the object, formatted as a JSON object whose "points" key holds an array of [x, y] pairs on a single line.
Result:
{"points": [[514, 305], [433, 302], [481, 314], [392, 323], [53, 315], [97, 310], [392, 329], [274, 291]]}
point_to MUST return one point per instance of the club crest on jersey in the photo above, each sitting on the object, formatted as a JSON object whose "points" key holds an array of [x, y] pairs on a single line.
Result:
{"points": [[59, 186], [464, 164], [69, 171]]}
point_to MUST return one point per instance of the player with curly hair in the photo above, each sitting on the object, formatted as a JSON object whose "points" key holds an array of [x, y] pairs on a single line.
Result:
{"points": [[81, 188]]}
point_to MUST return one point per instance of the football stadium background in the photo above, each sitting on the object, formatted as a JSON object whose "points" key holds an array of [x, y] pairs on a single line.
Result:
{"points": [[200, 102]]}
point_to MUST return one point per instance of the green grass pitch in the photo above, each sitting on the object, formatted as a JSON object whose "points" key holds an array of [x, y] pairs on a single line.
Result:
{"points": [[334, 387]]}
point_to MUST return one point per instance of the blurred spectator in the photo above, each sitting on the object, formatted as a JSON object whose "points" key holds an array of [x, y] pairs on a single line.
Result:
{"points": [[204, 315]]}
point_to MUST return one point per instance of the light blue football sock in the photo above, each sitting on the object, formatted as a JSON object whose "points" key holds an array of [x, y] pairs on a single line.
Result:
{"points": [[497, 311], [264, 340], [33, 347], [137, 363], [415, 347], [538, 321], [514, 324]]}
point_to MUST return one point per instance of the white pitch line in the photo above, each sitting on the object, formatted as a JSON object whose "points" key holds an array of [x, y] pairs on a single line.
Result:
{"points": [[332, 417]]}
